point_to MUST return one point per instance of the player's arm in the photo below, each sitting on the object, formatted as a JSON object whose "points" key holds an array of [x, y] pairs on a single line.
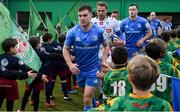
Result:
{"points": [[119, 38], [148, 34], [160, 28], [105, 51], [66, 52]]}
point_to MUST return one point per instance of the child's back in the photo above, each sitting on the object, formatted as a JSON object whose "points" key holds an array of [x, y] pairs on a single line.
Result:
{"points": [[134, 102]]}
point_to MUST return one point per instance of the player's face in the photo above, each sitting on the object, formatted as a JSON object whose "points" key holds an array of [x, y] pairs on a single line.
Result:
{"points": [[101, 12], [84, 18], [152, 16], [133, 11], [114, 15]]}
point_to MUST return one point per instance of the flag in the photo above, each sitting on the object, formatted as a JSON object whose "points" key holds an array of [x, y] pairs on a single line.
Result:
{"points": [[175, 93], [25, 51], [64, 28], [51, 28], [34, 19], [4, 25], [73, 12]]}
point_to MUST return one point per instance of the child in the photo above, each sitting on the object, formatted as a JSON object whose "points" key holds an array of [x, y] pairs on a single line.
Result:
{"points": [[143, 72], [115, 81], [58, 65], [11, 63], [162, 87], [36, 86]]}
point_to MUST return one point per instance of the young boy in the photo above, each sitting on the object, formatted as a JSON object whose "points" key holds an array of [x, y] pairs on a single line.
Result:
{"points": [[11, 63], [115, 81], [143, 72], [162, 87], [58, 66]]}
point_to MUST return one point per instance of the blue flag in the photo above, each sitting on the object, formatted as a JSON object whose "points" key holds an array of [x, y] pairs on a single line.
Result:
{"points": [[175, 93]]}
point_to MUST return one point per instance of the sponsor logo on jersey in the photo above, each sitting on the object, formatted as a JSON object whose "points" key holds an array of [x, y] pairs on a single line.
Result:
{"points": [[78, 39]]}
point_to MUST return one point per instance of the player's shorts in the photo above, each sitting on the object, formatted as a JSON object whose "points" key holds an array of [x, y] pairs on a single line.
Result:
{"points": [[87, 78]]}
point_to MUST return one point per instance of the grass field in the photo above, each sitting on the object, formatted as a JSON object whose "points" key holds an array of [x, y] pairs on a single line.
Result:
{"points": [[61, 105]]}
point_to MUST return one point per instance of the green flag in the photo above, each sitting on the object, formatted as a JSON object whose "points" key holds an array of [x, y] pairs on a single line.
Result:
{"points": [[4, 24], [73, 12], [64, 28], [34, 19], [51, 28], [25, 51]]}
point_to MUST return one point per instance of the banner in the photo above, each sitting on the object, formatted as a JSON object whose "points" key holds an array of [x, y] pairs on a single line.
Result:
{"points": [[25, 51], [175, 93]]}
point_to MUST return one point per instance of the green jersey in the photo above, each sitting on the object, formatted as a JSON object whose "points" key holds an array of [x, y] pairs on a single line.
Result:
{"points": [[134, 102], [168, 59], [178, 43], [116, 83], [171, 46], [162, 87]]}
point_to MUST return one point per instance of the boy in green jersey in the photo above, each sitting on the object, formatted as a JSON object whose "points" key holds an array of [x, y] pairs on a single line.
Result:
{"points": [[115, 81], [162, 87], [143, 72]]}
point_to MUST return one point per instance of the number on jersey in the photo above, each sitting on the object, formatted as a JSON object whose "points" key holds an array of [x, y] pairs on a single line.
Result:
{"points": [[119, 88], [160, 84]]}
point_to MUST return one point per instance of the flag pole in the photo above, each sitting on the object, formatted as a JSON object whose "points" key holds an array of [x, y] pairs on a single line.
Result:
{"points": [[38, 14], [69, 11]]}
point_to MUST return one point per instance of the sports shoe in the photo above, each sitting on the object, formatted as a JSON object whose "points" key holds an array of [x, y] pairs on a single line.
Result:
{"points": [[67, 98], [72, 91], [19, 110], [51, 104], [52, 97], [75, 87]]}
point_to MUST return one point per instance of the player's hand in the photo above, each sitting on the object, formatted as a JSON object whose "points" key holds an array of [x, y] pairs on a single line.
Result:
{"points": [[31, 74], [74, 68], [117, 42], [100, 75], [105, 68], [140, 42]]}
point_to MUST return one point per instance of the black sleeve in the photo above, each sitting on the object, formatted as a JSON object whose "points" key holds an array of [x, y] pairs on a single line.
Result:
{"points": [[13, 75]]}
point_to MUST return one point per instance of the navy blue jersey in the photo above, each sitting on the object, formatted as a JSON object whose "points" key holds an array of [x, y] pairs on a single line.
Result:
{"points": [[8, 62]]}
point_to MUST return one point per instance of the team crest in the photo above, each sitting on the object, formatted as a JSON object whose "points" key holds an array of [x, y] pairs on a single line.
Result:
{"points": [[4, 62], [94, 38]]}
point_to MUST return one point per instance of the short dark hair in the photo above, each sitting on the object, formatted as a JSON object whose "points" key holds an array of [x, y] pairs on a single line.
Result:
{"points": [[165, 36], [142, 72], [115, 11], [8, 44], [62, 37], [102, 3], [85, 7], [46, 37], [161, 44], [134, 5], [153, 50], [119, 55], [173, 33], [34, 40]]}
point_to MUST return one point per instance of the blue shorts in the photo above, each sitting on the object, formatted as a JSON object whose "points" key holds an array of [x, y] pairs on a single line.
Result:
{"points": [[132, 50], [87, 79]]}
